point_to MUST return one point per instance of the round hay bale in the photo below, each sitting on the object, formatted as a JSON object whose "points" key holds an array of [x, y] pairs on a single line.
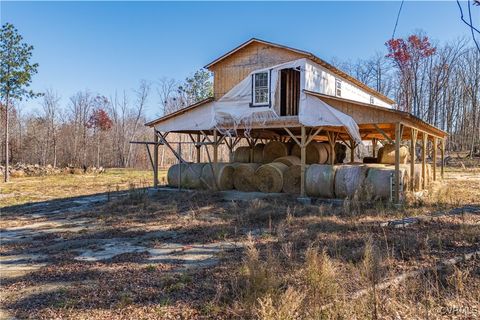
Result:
{"points": [[258, 153], [223, 176], [386, 154], [288, 160], [269, 177], [292, 179], [377, 184], [349, 179], [241, 154], [192, 175], [174, 174], [274, 150], [319, 180], [243, 177], [315, 152]]}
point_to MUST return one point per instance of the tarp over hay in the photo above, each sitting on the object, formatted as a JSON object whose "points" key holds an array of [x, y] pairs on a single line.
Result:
{"points": [[234, 108]]}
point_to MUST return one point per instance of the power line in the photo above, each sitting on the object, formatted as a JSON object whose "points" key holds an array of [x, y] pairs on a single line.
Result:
{"points": [[470, 23], [396, 22]]}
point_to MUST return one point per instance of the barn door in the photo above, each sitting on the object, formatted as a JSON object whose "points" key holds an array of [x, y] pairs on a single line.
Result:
{"points": [[289, 92]]}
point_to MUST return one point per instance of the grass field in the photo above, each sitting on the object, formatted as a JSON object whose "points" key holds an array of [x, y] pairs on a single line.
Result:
{"points": [[34, 189], [193, 255]]}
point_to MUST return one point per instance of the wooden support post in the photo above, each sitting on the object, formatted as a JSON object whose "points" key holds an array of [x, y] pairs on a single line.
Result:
{"points": [[155, 160], [424, 159], [332, 137], [198, 148], [352, 151], [215, 146], [413, 143], [303, 155], [180, 165], [442, 155], [398, 139], [374, 147], [434, 164]]}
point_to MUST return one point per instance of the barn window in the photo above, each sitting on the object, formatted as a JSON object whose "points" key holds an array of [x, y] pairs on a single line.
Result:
{"points": [[261, 89], [338, 87], [371, 100]]}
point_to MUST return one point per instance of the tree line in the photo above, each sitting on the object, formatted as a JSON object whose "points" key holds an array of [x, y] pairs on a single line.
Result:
{"points": [[439, 83]]}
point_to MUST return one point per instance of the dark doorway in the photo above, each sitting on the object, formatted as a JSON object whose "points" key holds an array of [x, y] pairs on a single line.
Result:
{"points": [[289, 92]]}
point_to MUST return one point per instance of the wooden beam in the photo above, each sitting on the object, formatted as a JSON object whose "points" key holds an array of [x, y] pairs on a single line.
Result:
{"points": [[215, 146], [353, 144], [293, 136], [398, 140], [424, 159], [302, 162], [442, 155], [155, 160], [434, 164], [314, 135], [374, 147], [383, 133], [332, 138], [413, 143], [198, 149]]}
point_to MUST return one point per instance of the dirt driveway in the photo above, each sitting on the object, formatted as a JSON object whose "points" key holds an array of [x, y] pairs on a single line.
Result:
{"points": [[156, 254]]}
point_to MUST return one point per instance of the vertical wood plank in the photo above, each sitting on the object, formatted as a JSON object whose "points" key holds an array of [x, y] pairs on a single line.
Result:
{"points": [[155, 159], [352, 151], [434, 164], [302, 161], [424, 159], [215, 146], [398, 139], [413, 142], [442, 155], [197, 147]]}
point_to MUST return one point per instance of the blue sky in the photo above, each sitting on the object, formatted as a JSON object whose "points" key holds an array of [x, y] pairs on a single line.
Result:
{"points": [[108, 46]]}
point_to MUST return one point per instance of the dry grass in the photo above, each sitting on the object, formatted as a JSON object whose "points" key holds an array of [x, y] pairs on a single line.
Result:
{"points": [[34, 189], [298, 262]]}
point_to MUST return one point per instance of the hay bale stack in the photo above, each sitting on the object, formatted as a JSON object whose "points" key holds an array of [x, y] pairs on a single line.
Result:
{"points": [[319, 180], [386, 154], [349, 179], [192, 176], [315, 152], [269, 177], [243, 177], [288, 160], [292, 179], [378, 182], [241, 154], [258, 153], [274, 150], [174, 174], [223, 176]]}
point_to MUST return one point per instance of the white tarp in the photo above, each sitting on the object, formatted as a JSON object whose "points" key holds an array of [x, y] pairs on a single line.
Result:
{"points": [[235, 107]]}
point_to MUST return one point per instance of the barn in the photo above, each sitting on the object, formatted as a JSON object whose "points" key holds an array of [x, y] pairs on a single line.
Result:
{"points": [[287, 104]]}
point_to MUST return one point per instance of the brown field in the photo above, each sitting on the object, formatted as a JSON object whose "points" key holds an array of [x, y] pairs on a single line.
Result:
{"points": [[125, 252]]}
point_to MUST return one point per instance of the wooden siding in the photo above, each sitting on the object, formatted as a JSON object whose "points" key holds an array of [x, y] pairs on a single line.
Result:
{"points": [[234, 68]]}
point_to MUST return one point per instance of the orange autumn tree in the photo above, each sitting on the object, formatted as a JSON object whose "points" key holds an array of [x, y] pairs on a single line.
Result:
{"points": [[99, 121], [409, 56]]}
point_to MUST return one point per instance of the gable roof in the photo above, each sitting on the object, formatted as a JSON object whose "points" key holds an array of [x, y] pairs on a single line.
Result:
{"points": [[178, 112], [310, 56]]}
